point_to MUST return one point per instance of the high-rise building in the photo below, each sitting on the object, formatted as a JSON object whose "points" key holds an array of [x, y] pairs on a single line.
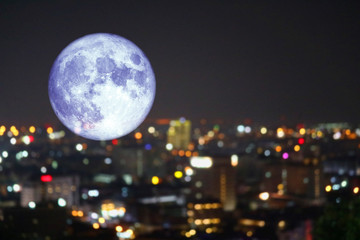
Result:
{"points": [[215, 178], [179, 133]]}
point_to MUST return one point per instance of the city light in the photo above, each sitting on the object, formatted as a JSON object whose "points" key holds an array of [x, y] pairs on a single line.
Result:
{"points": [[13, 141], [281, 224], [49, 130], [93, 193], [264, 196], [356, 190], [169, 147], [302, 131], [155, 180], [46, 178], [5, 154], [328, 188], [263, 130], [285, 155], [178, 174], [138, 135], [151, 129], [32, 205], [337, 136], [234, 160], [79, 147], [16, 188], [301, 141], [280, 133], [119, 228], [96, 225], [101, 220], [32, 129], [61, 202], [201, 162], [189, 171], [241, 128]]}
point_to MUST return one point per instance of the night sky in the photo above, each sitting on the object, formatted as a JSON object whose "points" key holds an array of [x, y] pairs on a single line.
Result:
{"points": [[270, 61]]}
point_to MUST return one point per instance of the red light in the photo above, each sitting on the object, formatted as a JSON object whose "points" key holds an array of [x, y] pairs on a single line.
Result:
{"points": [[31, 138], [115, 142], [301, 141], [46, 178]]}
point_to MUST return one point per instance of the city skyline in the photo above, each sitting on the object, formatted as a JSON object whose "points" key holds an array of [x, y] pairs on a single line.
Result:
{"points": [[295, 62]]}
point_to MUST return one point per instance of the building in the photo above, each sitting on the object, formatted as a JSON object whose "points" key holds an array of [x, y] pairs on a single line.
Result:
{"points": [[179, 133], [215, 178], [52, 189]]}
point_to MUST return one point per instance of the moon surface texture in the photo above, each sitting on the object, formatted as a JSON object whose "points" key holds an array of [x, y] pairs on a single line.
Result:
{"points": [[101, 86]]}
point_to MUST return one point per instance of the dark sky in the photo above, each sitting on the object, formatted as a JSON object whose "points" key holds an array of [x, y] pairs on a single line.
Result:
{"points": [[264, 60]]}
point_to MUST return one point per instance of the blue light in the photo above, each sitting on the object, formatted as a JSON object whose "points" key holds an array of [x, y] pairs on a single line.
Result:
{"points": [[148, 146], [182, 120]]}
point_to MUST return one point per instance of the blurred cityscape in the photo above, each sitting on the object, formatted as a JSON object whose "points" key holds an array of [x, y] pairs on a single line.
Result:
{"points": [[176, 179]]}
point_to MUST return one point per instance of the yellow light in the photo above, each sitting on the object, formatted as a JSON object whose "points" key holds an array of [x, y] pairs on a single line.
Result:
{"points": [[74, 213], [280, 186], [319, 134], [208, 230], [281, 224], [280, 132], [215, 220], [356, 190], [206, 221], [155, 180], [190, 213], [187, 234], [302, 131], [197, 222], [188, 153], [249, 233], [96, 226], [192, 232], [80, 213], [101, 220], [278, 148], [151, 129], [328, 188], [178, 174], [49, 130], [198, 206], [119, 228], [264, 196], [263, 130], [138, 135], [32, 129], [2, 128], [296, 148]]}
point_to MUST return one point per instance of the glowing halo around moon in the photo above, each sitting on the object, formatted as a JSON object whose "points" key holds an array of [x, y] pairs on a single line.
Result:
{"points": [[101, 86]]}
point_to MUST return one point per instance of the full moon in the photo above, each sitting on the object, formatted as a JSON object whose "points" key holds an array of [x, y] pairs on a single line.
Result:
{"points": [[101, 86]]}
